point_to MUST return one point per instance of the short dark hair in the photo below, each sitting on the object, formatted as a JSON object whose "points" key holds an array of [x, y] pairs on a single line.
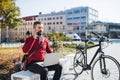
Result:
{"points": [[35, 23]]}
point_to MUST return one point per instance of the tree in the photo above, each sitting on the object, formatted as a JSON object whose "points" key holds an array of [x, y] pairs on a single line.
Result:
{"points": [[10, 13]]}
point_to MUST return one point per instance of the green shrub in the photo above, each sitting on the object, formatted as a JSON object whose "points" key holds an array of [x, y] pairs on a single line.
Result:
{"points": [[70, 45]]}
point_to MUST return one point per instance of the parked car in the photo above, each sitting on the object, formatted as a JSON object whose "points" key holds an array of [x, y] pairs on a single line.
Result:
{"points": [[94, 39], [74, 37]]}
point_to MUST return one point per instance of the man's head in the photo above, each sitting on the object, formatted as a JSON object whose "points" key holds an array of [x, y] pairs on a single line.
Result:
{"points": [[38, 27]]}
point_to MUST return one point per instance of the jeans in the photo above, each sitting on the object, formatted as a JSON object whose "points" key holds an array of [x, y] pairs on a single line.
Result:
{"points": [[43, 71]]}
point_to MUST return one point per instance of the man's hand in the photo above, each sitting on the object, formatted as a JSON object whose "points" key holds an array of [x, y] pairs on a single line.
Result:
{"points": [[35, 34]]}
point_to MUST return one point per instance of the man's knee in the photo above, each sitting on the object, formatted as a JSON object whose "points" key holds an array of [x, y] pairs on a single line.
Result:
{"points": [[59, 67], [44, 71]]}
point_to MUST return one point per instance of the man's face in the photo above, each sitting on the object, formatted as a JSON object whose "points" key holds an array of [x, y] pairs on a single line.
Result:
{"points": [[39, 28]]}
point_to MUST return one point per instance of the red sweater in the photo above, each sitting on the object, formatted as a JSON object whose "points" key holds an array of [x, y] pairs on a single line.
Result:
{"points": [[31, 44]]}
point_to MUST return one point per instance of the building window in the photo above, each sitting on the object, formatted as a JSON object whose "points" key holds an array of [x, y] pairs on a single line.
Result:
{"points": [[57, 17], [83, 17], [44, 18], [53, 18], [69, 13], [61, 17], [57, 22], [44, 23], [76, 11], [48, 18], [69, 24], [53, 23], [76, 18], [49, 28], [69, 18], [60, 22]]}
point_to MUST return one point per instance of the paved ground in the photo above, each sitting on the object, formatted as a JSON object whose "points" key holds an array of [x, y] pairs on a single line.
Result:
{"points": [[112, 49]]}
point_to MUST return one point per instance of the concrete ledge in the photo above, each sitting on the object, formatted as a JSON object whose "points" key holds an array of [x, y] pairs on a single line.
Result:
{"points": [[27, 75]]}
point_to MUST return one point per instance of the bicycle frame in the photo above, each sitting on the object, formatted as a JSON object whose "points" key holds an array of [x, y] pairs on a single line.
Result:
{"points": [[87, 66]]}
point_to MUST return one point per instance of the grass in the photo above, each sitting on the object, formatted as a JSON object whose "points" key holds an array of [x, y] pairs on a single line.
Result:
{"points": [[7, 55], [66, 51]]}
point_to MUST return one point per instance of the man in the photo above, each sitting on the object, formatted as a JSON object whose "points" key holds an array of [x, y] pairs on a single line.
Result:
{"points": [[31, 44]]}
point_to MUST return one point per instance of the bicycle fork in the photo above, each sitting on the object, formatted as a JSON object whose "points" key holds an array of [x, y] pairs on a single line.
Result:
{"points": [[102, 64]]}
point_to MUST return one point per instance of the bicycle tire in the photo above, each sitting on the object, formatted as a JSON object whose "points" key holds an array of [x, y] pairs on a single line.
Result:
{"points": [[113, 69], [78, 62]]}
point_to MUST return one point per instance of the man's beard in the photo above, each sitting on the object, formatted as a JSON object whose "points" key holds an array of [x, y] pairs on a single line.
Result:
{"points": [[39, 33]]}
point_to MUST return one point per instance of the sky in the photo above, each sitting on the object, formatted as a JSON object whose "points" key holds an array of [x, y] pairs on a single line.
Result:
{"points": [[108, 10]]}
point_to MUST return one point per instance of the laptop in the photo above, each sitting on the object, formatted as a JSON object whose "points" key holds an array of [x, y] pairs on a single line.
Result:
{"points": [[50, 59]]}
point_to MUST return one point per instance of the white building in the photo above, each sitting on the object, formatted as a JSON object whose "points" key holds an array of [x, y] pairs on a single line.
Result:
{"points": [[54, 22], [78, 18]]}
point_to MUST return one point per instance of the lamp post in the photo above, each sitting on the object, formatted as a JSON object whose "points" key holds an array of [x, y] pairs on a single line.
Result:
{"points": [[2, 19]]}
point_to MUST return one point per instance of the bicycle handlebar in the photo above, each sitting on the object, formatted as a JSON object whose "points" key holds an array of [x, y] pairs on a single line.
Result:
{"points": [[101, 38], [96, 34]]}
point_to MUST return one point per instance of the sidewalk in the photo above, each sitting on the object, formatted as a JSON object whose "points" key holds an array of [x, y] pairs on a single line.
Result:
{"points": [[112, 50]]}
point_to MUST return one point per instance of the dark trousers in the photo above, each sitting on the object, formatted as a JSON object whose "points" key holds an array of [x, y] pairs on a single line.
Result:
{"points": [[43, 71]]}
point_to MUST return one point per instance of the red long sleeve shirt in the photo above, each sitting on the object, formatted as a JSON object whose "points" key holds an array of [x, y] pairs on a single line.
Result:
{"points": [[31, 44]]}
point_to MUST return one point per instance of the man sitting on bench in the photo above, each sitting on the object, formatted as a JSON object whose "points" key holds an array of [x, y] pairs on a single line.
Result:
{"points": [[31, 44]]}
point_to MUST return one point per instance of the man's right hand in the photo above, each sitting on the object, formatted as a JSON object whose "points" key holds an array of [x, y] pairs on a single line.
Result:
{"points": [[35, 34]]}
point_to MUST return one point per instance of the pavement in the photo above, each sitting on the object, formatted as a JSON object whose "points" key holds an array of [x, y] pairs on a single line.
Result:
{"points": [[112, 50], [68, 72]]}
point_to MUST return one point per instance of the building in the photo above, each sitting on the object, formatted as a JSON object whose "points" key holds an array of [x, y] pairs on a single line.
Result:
{"points": [[109, 29], [78, 18], [23, 30], [26, 28], [54, 22]]}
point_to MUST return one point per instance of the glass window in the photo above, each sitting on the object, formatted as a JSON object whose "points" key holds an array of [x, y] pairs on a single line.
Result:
{"points": [[53, 18], [57, 22], [44, 18], [76, 11], [83, 17], [76, 18], [57, 17], [60, 17], [69, 13], [60, 22], [69, 18], [53, 23], [49, 28]]}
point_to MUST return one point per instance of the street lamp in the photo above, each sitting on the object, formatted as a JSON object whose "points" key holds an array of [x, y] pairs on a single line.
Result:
{"points": [[2, 19]]}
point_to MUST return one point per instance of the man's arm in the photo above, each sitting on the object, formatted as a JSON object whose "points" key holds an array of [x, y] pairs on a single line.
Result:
{"points": [[48, 48], [28, 44]]}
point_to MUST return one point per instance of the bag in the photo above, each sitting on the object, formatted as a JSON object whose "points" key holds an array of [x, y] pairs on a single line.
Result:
{"points": [[24, 62]]}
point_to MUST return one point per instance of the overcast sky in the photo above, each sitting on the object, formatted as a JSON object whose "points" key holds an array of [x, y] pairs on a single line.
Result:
{"points": [[109, 10]]}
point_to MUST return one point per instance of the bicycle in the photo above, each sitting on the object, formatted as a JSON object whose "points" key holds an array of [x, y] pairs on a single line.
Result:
{"points": [[105, 67]]}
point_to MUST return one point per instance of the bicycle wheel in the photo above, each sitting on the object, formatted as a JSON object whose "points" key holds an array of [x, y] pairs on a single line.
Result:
{"points": [[112, 69], [78, 62]]}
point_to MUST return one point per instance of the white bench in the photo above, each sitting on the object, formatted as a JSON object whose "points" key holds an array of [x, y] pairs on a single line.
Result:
{"points": [[27, 75]]}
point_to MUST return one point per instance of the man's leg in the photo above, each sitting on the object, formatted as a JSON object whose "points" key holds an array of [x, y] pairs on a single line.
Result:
{"points": [[35, 68], [58, 71]]}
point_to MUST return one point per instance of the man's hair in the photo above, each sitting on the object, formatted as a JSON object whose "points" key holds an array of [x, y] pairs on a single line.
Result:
{"points": [[35, 23]]}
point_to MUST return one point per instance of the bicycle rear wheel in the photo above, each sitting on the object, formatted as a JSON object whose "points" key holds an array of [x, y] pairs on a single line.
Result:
{"points": [[112, 69], [78, 62]]}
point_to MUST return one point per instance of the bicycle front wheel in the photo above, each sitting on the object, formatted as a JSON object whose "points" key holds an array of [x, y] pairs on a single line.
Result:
{"points": [[112, 69], [78, 62]]}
